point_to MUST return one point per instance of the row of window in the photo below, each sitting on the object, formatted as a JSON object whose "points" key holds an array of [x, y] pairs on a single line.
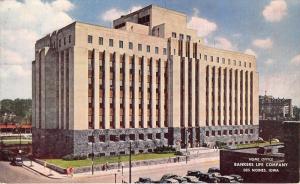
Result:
{"points": [[229, 61], [181, 36], [130, 45], [228, 132], [132, 137]]}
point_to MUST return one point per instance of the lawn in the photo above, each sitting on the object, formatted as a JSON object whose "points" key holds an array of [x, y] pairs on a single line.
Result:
{"points": [[16, 141], [251, 145], [109, 159]]}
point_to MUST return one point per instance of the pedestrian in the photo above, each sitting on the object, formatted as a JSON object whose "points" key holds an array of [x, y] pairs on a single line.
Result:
{"points": [[106, 166]]}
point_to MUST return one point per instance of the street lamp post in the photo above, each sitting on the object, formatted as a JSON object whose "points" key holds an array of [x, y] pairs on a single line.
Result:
{"points": [[93, 140], [130, 162], [186, 146]]}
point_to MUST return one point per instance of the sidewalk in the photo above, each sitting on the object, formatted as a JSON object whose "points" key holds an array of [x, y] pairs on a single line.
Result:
{"points": [[177, 164], [36, 167], [43, 170]]}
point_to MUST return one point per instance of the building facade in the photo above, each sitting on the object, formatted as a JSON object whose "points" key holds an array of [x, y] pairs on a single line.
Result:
{"points": [[149, 80], [271, 108]]}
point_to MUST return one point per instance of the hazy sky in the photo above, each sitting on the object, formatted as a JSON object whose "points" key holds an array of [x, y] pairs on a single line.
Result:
{"points": [[270, 30]]}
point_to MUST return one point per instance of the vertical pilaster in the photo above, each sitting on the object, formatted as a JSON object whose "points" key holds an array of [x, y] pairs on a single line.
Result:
{"points": [[215, 93], [117, 90], [186, 90], [221, 91], [162, 92], [144, 93], [153, 92], [193, 88], [106, 90], [96, 88], [237, 107], [226, 96], [136, 92], [126, 91]]}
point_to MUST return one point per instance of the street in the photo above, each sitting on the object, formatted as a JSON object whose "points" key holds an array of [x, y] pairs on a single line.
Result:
{"points": [[10, 173]]}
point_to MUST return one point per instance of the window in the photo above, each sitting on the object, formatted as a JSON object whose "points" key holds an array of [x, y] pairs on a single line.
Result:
{"points": [[188, 38], [205, 57], [91, 138], [223, 60], [181, 36], [140, 47], [69, 38], [100, 40], [229, 61], [249, 65], [156, 50], [102, 138], [173, 34], [149, 136], [141, 136], [111, 42], [130, 45], [211, 58], [245, 64], [122, 137], [132, 137], [158, 136], [240, 63], [90, 39], [120, 44], [218, 59], [165, 52], [148, 48]]}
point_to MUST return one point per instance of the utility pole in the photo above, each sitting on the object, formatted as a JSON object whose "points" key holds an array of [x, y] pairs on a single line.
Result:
{"points": [[130, 162], [186, 145]]}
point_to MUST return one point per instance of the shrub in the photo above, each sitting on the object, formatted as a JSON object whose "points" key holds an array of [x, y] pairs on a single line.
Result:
{"points": [[179, 153], [74, 157], [164, 149]]}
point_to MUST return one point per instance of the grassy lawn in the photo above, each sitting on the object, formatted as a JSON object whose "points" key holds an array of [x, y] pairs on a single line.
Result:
{"points": [[251, 145], [10, 142], [110, 159]]}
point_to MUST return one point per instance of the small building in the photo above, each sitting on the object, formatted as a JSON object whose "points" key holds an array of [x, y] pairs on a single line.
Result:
{"points": [[271, 108]]}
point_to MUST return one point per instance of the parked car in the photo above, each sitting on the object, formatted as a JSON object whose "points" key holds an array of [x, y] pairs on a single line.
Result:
{"points": [[194, 173], [226, 179], [192, 179], [180, 179], [170, 180], [206, 177], [168, 176], [237, 178], [17, 161], [213, 170], [144, 180]]}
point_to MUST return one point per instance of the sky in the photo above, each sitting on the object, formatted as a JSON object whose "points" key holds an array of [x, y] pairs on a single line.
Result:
{"points": [[268, 29]]}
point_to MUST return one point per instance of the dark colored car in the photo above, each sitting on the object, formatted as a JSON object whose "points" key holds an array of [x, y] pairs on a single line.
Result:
{"points": [[213, 170], [194, 173], [226, 179], [206, 177], [168, 176], [192, 179], [180, 179], [144, 180], [237, 178], [17, 161]]}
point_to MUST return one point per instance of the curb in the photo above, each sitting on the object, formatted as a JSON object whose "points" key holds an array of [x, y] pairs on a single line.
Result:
{"points": [[48, 176]]}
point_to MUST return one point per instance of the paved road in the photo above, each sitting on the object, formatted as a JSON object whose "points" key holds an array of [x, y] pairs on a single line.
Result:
{"points": [[9, 174], [14, 174]]}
